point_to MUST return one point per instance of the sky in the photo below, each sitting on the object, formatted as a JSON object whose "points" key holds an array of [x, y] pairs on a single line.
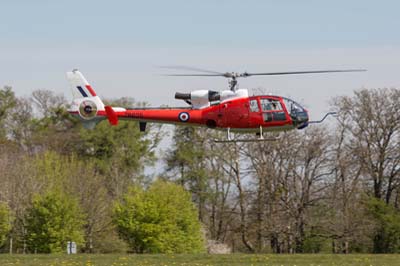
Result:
{"points": [[119, 46]]}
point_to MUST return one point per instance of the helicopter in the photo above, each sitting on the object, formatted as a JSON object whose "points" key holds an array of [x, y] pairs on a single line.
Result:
{"points": [[232, 110]]}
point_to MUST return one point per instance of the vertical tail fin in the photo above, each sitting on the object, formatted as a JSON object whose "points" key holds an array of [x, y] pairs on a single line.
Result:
{"points": [[86, 103], [81, 89], [80, 86]]}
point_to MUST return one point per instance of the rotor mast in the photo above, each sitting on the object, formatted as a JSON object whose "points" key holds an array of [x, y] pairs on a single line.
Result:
{"points": [[232, 83], [232, 76]]}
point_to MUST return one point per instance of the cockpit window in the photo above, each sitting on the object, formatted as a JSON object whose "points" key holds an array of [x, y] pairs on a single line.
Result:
{"points": [[270, 105], [297, 113], [254, 106], [292, 107]]}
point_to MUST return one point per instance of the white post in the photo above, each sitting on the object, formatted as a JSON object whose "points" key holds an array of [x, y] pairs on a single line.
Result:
{"points": [[11, 245]]}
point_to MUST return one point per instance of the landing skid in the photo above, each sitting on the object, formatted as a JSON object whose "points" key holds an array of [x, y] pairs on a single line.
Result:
{"points": [[244, 140], [230, 139]]}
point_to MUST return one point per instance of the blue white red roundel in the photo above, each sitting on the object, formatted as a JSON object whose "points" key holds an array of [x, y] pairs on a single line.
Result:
{"points": [[184, 116]]}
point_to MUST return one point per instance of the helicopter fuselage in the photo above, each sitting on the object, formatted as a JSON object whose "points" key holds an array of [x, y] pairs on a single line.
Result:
{"points": [[238, 114], [233, 109]]}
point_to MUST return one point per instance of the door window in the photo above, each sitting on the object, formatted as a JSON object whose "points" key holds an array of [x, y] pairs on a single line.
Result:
{"points": [[279, 116], [254, 106], [267, 117], [270, 105]]}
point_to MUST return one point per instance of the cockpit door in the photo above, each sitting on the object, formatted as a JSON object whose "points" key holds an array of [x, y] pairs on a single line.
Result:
{"points": [[236, 113], [254, 113], [272, 110]]}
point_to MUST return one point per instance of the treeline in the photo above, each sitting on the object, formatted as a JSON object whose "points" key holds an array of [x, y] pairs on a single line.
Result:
{"points": [[329, 188], [60, 183]]}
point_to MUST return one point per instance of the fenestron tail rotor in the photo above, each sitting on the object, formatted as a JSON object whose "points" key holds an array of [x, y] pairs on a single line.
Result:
{"points": [[234, 75]]}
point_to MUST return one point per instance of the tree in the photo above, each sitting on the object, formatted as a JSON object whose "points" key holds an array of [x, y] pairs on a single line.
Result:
{"points": [[188, 160], [7, 101], [232, 167], [290, 179], [4, 222], [79, 178], [161, 219], [195, 162], [120, 152], [48, 103], [53, 127], [53, 219], [371, 124], [344, 221], [90, 188], [19, 124]]}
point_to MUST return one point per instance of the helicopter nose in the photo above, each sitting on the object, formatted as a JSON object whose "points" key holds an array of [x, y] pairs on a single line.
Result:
{"points": [[302, 120]]}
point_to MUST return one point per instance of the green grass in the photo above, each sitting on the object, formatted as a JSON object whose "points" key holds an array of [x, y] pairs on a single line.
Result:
{"points": [[199, 260]]}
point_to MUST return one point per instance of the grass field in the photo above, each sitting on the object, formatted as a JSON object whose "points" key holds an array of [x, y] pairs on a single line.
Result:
{"points": [[199, 260]]}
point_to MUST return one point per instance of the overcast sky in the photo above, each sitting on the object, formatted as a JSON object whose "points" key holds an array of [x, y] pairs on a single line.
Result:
{"points": [[118, 45]]}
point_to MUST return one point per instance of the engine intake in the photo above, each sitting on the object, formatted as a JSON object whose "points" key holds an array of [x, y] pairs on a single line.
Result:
{"points": [[182, 96], [214, 96]]}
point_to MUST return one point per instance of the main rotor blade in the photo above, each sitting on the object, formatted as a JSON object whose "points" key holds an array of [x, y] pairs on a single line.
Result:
{"points": [[192, 69], [245, 74], [196, 75]]}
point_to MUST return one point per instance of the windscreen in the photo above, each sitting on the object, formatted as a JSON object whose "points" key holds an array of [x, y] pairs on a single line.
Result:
{"points": [[298, 114]]}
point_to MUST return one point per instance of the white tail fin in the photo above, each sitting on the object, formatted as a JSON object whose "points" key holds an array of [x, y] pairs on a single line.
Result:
{"points": [[81, 88], [85, 103]]}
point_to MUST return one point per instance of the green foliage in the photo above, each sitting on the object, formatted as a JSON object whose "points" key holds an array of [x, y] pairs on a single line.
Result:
{"points": [[316, 244], [188, 154], [52, 169], [387, 218], [108, 241], [122, 146], [77, 177], [187, 161], [7, 100], [161, 219], [53, 219], [4, 222]]}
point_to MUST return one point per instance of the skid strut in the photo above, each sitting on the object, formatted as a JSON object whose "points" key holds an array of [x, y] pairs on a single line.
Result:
{"points": [[228, 134], [261, 133]]}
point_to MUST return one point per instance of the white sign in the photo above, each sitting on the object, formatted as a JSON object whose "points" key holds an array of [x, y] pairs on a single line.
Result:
{"points": [[71, 247]]}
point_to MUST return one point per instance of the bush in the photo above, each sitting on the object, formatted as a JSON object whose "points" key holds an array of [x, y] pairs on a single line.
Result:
{"points": [[53, 219], [161, 219], [387, 218]]}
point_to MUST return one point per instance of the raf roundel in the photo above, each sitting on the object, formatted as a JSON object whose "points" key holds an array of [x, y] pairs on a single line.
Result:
{"points": [[184, 117]]}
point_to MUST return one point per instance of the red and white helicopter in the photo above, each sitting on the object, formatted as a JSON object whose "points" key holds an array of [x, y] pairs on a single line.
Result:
{"points": [[231, 110]]}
